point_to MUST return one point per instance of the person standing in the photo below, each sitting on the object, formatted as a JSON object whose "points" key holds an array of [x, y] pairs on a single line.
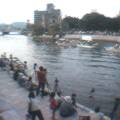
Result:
{"points": [[41, 77], [25, 68], [99, 114], [116, 109], [92, 98], [92, 92], [56, 88], [35, 67], [53, 105], [33, 108], [34, 73]]}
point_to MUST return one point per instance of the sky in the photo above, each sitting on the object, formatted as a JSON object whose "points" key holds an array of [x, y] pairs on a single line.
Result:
{"points": [[22, 10]]}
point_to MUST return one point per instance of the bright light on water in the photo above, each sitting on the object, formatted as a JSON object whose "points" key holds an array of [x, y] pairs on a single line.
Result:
{"points": [[87, 37]]}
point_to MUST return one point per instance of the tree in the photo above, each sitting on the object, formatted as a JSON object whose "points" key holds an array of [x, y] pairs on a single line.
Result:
{"points": [[116, 24], [37, 29], [91, 22], [54, 29], [94, 21], [70, 23]]}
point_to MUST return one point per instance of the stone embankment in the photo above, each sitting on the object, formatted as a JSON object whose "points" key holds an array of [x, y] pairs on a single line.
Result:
{"points": [[72, 40], [15, 107], [14, 99], [44, 38], [80, 37], [107, 38]]}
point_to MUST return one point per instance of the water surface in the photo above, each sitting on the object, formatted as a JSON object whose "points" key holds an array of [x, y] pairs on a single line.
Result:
{"points": [[78, 69]]}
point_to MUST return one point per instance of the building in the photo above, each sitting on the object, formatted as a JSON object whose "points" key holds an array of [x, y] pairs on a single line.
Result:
{"points": [[118, 14], [49, 17]]}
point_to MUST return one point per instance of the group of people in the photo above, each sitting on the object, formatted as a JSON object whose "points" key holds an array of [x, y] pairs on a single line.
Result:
{"points": [[56, 100], [12, 63], [66, 106], [21, 74]]}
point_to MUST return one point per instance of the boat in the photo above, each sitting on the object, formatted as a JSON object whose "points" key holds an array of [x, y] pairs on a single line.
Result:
{"points": [[115, 48], [64, 43], [87, 44], [5, 32]]}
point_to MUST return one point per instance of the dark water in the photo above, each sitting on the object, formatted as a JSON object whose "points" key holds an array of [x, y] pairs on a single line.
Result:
{"points": [[78, 69]]}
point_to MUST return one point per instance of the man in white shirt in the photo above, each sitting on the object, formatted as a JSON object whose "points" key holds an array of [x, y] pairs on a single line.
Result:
{"points": [[33, 107]]}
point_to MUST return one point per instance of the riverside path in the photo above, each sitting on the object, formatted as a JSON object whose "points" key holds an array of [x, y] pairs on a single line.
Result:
{"points": [[17, 97]]}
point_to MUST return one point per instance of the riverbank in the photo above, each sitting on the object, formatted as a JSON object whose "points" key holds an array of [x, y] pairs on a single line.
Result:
{"points": [[44, 38], [14, 98], [72, 40], [108, 38], [19, 96]]}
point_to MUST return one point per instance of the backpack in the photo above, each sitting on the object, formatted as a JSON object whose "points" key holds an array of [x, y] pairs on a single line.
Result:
{"points": [[66, 109]]}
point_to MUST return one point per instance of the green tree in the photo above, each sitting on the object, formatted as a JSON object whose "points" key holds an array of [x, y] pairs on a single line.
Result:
{"points": [[54, 29], [37, 29], [116, 24], [70, 23], [94, 21]]}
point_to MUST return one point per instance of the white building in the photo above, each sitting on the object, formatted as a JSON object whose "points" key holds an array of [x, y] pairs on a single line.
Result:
{"points": [[49, 17]]}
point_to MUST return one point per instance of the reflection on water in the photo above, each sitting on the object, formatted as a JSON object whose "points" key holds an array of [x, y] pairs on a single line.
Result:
{"points": [[78, 69]]}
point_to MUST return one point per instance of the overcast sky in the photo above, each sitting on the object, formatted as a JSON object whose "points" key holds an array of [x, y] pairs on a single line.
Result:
{"points": [[21, 10]]}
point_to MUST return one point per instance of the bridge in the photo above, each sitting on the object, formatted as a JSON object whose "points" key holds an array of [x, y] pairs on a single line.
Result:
{"points": [[13, 28], [8, 32], [5, 32]]}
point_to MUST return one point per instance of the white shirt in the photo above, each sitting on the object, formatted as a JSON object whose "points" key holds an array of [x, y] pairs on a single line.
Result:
{"points": [[34, 104]]}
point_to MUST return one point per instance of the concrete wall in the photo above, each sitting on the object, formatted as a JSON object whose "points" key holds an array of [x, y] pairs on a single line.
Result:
{"points": [[94, 37], [106, 38]]}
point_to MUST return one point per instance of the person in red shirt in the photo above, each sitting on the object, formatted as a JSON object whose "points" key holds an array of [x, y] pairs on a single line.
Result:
{"points": [[53, 104]]}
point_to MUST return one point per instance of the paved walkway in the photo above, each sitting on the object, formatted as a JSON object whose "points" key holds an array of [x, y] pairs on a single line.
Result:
{"points": [[11, 92]]}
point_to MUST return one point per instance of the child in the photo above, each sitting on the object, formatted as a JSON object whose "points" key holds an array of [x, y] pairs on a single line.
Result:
{"points": [[53, 104]]}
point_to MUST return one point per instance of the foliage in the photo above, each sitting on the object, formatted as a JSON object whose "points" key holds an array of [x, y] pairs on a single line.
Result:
{"points": [[37, 29], [70, 23], [91, 22], [54, 29]]}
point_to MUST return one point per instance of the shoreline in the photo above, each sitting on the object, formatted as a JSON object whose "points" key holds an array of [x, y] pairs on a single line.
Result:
{"points": [[82, 108], [107, 38], [78, 37]]}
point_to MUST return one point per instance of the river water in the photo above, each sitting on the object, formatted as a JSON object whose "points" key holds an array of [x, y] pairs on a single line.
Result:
{"points": [[78, 69]]}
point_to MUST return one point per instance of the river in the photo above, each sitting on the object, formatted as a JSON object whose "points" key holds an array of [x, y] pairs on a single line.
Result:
{"points": [[77, 69]]}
